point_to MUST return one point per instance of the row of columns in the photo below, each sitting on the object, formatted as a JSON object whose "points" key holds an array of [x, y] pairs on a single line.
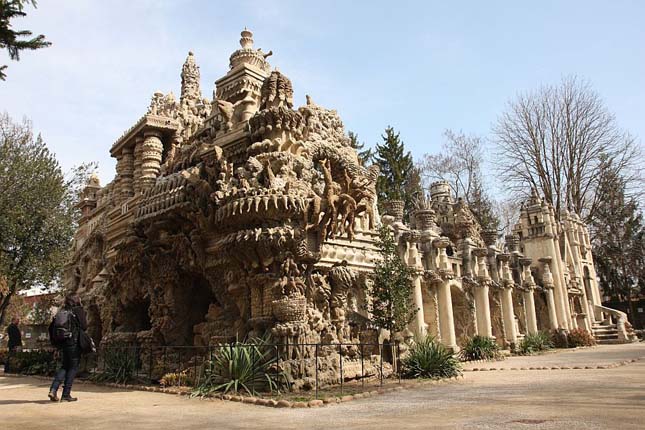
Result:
{"points": [[138, 166], [434, 257]]}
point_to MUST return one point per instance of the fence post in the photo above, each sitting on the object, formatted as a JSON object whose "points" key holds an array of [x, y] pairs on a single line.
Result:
{"points": [[277, 366], [150, 367], [380, 348], [165, 353], [316, 358], [398, 360], [362, 368], [340, 357], [253, 369]]}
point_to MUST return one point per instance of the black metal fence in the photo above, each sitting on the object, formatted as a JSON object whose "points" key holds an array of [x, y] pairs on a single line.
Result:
{"points": [[336, 365]]}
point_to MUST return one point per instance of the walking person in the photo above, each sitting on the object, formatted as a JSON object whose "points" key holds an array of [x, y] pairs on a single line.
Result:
{"points": [[69, 321], [15, 341]]}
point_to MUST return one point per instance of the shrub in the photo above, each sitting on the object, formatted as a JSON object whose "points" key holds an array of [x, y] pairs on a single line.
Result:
{"points": [[480, 348], [238, 367], [175, 379], [33, 362], [580, 337], [428, 358], [533, 343], [559, 338], [119, 364]]}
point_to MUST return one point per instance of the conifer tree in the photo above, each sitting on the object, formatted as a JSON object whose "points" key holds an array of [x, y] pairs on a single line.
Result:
{"points": [[391, 307], [399, 180], [16, 40], [618, 239], [364, 155]]}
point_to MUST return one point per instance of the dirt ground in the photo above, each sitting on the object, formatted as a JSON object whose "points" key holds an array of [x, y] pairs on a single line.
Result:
{"points": [[611, 398]]}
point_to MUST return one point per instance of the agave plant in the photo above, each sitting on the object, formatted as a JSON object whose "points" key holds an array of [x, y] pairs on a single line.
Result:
{"points": [[428, 358], [533, 343], [238, 367], [480, 348]]}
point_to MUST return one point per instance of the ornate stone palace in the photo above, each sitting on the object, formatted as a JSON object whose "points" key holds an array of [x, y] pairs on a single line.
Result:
{"points": [[243, 215]]}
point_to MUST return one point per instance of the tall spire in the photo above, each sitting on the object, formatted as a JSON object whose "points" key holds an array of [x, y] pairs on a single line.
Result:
{"points": [[190, 89]]}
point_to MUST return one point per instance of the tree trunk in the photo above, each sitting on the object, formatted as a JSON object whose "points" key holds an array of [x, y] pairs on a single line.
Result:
{"points": [[4, 304]]}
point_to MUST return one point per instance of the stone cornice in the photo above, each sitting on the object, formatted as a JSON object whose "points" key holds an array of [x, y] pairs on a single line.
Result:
{"points": [[146, 122]]}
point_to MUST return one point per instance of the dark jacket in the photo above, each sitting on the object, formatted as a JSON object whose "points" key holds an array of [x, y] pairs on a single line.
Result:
{"points": [[15, 337]]}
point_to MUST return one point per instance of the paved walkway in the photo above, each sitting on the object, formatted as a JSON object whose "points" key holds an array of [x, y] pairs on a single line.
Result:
{"points": [[611, 398]]}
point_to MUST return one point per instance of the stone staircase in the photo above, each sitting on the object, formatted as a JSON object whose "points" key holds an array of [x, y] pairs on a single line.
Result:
{"points": [[605, 333]]}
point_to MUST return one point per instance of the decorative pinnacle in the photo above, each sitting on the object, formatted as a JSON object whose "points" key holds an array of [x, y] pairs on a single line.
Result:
{"points": [[247, 39]]}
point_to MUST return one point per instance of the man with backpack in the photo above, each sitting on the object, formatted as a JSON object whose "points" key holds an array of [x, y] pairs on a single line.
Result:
{"points": [[65, 332]]}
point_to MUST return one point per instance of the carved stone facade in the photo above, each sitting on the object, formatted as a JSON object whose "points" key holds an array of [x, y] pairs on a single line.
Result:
{"points": [[245, 216]]}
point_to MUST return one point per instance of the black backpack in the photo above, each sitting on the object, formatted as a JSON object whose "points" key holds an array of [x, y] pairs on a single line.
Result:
{"points": [[60, 329]]}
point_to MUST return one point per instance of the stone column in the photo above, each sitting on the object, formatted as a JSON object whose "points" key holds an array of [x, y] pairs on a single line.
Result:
{"points": [[527, 295], [127, 168], [547, 282], [136, 174], [444, 296], [482, 303], [151, 158], [446, 320], [413, 261], [507, 301], [529, 305]]}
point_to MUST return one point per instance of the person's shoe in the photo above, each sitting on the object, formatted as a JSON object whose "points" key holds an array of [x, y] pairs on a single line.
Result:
{"points": [[68, 399], [52, 396]]}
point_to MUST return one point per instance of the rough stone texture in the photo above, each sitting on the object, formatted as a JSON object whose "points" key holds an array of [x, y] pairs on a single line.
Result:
{"points": [[245, 215]]}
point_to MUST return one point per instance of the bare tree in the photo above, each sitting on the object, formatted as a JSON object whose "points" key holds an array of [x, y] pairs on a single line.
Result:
{"points": [[460, 164], [553, 140]]}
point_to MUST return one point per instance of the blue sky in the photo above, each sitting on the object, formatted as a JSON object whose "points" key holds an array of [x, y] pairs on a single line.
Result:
{"points": [[421, 67]]}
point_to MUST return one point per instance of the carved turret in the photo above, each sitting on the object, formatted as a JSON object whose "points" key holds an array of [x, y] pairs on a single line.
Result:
{"points": [[190, 90]]}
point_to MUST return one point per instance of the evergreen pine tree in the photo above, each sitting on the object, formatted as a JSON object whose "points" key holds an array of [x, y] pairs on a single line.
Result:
{"points": [[14, 40], [399, 179], [618, 239], [391, 307], [364, 155]]}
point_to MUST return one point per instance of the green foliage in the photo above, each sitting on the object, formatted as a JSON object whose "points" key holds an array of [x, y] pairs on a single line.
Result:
{"points": [[119, 364], [13, 40], [618, 239], [239, 367], [559, 338], [399, 179], [428, 358], [37, 211], [533, 343], [391, 307], [480, 348], [364, 155], [33, 363], [175, 379], [580, 337]]}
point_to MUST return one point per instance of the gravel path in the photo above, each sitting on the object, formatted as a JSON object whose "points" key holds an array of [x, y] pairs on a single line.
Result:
{"points": [[612, 398]]}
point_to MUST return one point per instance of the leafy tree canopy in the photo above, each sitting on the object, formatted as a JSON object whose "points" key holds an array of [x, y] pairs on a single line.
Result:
{"points": [[37, 211]]}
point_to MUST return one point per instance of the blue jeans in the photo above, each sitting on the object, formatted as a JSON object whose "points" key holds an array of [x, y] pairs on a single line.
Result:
{"points": [[66, 374]]}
